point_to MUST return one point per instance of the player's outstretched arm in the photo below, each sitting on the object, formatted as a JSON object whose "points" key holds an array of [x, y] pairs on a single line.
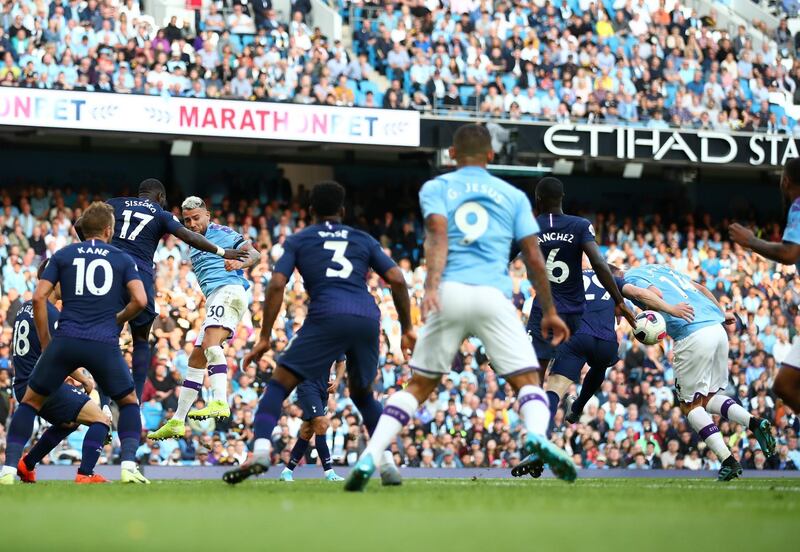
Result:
{"points": [[603, 273], [785, 252], [253, 256], [654, 302], [435, 261], [198, 241], [537, 274], [43, 290], [272, 306], [341, 366], [137, 302]]}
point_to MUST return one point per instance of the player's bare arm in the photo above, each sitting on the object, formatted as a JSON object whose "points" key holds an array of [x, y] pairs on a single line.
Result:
{"points": [[603, 273], [198, 241], [537, 273], [40, 297], [394, 277], [272, 306], [251, 257], [730, 318], [137, 302], [785, 252], [653, 301], [436, 259]]}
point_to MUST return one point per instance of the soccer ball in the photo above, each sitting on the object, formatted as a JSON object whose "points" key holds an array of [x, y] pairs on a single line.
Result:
{"points": [[650, 327]]}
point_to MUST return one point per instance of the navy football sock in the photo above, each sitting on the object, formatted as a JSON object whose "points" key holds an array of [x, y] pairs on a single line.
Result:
{"points": [[19, 431], [370, 409], [299, 449], [591, 383], [554, 400], [130, 431], [92, 446], [269, 410], [323, 451], [47, 442], [140, 365]]}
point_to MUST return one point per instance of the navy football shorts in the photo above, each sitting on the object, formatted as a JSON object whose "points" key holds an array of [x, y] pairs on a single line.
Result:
{"points": [[322, 341], [312, 398], [583, 349], [544, 349], [148, 314], [62, 406], [64, 355]]}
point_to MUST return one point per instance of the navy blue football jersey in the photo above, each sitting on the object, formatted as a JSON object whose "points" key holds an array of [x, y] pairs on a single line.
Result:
{"points": [[334, 260], [94, 277], [26, 348], [138, 227], [599, 318], [561, 239]]}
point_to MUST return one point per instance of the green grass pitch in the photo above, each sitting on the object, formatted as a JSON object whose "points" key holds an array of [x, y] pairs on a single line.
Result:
{"points": [[422, 515]]}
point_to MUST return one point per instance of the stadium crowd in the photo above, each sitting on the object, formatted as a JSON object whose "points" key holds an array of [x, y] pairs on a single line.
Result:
{"points": [[472, 420], [652, 62]]}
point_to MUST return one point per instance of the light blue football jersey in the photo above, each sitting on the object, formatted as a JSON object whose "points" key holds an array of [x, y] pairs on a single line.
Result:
{"points": [[210, 267], [677, 288], [485, 216], [792, 231]]}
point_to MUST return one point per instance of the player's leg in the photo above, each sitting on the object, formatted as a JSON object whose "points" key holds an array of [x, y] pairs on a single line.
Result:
{"points": [[398, 412], [787, 382], [112, 373], [140, 332], [217, 365], [544, 350], [437, 344], [694, 358], [299, 449], [50, 439], [319, 426], [496, 324], [729, 409], [92, 416], [604, 354], [282, 383], [48, 375], [142, 355]]}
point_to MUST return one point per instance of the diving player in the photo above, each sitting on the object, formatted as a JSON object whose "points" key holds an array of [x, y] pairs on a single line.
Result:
{"points": [[334, 260], [140, 223], [471, 220], [787, 382], [312, 398], [100, 291], [64, 409], [563, 240], [701, 362], [595, 344], [224, 286]]}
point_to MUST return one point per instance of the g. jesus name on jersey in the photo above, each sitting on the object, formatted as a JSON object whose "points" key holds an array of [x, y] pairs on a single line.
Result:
{"points": [[561, 240]]}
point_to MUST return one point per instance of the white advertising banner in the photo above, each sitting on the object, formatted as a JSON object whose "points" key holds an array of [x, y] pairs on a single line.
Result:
{"points": [[196, 117]]}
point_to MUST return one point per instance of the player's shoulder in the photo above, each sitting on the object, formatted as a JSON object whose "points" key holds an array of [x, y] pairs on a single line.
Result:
{"points": [[220, 229], [577, 220], [794, 208]]}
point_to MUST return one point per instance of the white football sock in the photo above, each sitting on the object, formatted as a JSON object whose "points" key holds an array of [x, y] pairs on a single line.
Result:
{"points": [[388, 461], [129, 465], [728, 409], [701, 422], [397, 413], [194, 376], [261, 451], [219, 387], [534, 409]]}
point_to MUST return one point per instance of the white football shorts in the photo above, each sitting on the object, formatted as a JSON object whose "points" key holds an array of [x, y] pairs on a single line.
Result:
{"points": [[225, 308], [701, 363], [480, 311]]}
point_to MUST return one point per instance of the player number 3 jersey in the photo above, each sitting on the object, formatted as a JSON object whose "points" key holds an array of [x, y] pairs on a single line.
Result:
{"points": [[485, 216]]}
